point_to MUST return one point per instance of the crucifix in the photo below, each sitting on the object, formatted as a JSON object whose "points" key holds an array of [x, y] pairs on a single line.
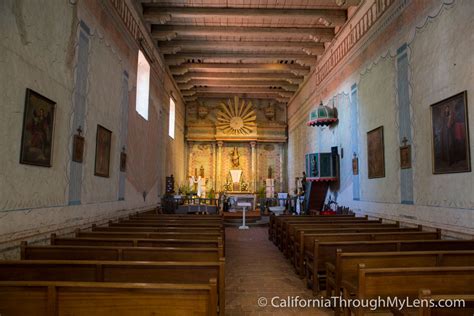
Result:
{"points": [[404, 141]]}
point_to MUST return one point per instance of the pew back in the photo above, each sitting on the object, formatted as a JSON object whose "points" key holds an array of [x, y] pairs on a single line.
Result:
{"points": [[92, 298], [119, 253]]}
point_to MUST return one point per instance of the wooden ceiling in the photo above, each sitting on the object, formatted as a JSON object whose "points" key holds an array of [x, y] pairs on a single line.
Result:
{"points": [[261, 49]]}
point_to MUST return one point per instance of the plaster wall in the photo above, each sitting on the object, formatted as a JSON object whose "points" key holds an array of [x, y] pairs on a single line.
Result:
{"points": [[38, 50], [440, 61]]}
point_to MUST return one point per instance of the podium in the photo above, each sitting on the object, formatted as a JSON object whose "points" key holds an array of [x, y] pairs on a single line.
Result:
{"points": [[244, 205]]}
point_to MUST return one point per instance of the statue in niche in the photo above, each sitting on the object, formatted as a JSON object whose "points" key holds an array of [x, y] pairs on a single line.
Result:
{"points": [[270, 172], [270, 112], [235, 157], [202, 111], [201, 171]]}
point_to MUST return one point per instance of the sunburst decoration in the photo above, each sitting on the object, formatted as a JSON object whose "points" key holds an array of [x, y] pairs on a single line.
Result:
{"points": [[237, 118]]}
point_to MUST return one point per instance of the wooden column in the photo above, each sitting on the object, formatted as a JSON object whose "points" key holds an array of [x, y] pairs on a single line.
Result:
{"points": [[189, 158], [254, 165], [219, 166], [214, 167]]}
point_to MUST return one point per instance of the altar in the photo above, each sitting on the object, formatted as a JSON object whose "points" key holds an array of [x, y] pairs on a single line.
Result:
{"points": [[234, 198], [233, 144]]}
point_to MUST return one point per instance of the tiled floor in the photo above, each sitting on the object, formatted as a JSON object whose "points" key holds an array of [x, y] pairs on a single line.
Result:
{"points": [[255, 268]]}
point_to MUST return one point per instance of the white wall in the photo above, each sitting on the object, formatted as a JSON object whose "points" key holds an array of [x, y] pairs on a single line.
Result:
{"points": [[38, 50], [440, 46]]}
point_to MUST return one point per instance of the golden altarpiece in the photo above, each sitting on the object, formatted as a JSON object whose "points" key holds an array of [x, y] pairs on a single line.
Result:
{"points": [[234, 144]]}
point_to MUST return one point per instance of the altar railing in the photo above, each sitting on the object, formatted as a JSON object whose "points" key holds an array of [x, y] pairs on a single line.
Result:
{"points": [[187, 204]]}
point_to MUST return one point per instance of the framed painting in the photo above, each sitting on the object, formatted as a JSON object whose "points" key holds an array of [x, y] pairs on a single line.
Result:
{"points": [[37, 133], [405, 157], [102, 151], [450, 139], [375, 153], [78, 148]]}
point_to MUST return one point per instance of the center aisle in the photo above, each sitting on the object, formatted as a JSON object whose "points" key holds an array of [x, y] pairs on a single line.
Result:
{"points": [[254, 269]]}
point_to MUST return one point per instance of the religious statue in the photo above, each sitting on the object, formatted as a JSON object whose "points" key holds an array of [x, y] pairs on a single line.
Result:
{"points": [[201, 185], [235, 157]]}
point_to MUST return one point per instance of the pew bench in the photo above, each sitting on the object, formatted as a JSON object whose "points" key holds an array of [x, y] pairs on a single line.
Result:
{"points": [[276, 221], [282, 225], [135, 242], [326, 252], [104, 253], [95, 298], [152, 235], [309, 244], [118, 271], [406, 282], [295, 229], [296, 243], [346, 265], [437, 310], [288, 230]]}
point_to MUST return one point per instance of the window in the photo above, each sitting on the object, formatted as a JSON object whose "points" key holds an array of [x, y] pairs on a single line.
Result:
{"points": [[172, 118], [143, 85]]}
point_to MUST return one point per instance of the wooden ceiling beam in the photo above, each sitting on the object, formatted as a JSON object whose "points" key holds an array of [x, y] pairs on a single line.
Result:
{"points": [[288, 77], [168, 32], [234, 83], [225, 96], [197, 101], [178, 59], [232, 90], [161, 14], [175, 46], [295, 69]]}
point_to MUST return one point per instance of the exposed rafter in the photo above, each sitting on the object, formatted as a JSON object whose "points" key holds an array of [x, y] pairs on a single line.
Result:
{"points": [[234, 83], [159, 14], [261, 77], [243, 95], [295, 69], [168, 32], [285, 47], [179, 59], [221, 49], [232, 90]]}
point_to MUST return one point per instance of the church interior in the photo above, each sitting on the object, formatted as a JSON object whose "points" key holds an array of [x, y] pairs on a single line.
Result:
{"points": [[236, 157]]}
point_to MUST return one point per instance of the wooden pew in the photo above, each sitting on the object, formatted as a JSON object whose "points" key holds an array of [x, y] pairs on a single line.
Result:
{"points": [[293, 229], [326, 252], [308, 243], [437, 310], [275, 220], [110, 271], [297, 246], [346, 265], [155, 229], [162, 224], [173, 222], [156, 212], [95, 298], [406, 282], [281, 223], [119, 253], [177, 216], [153, 235], [178, 229], [135, 242], [281, 227], [294, 243]]}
